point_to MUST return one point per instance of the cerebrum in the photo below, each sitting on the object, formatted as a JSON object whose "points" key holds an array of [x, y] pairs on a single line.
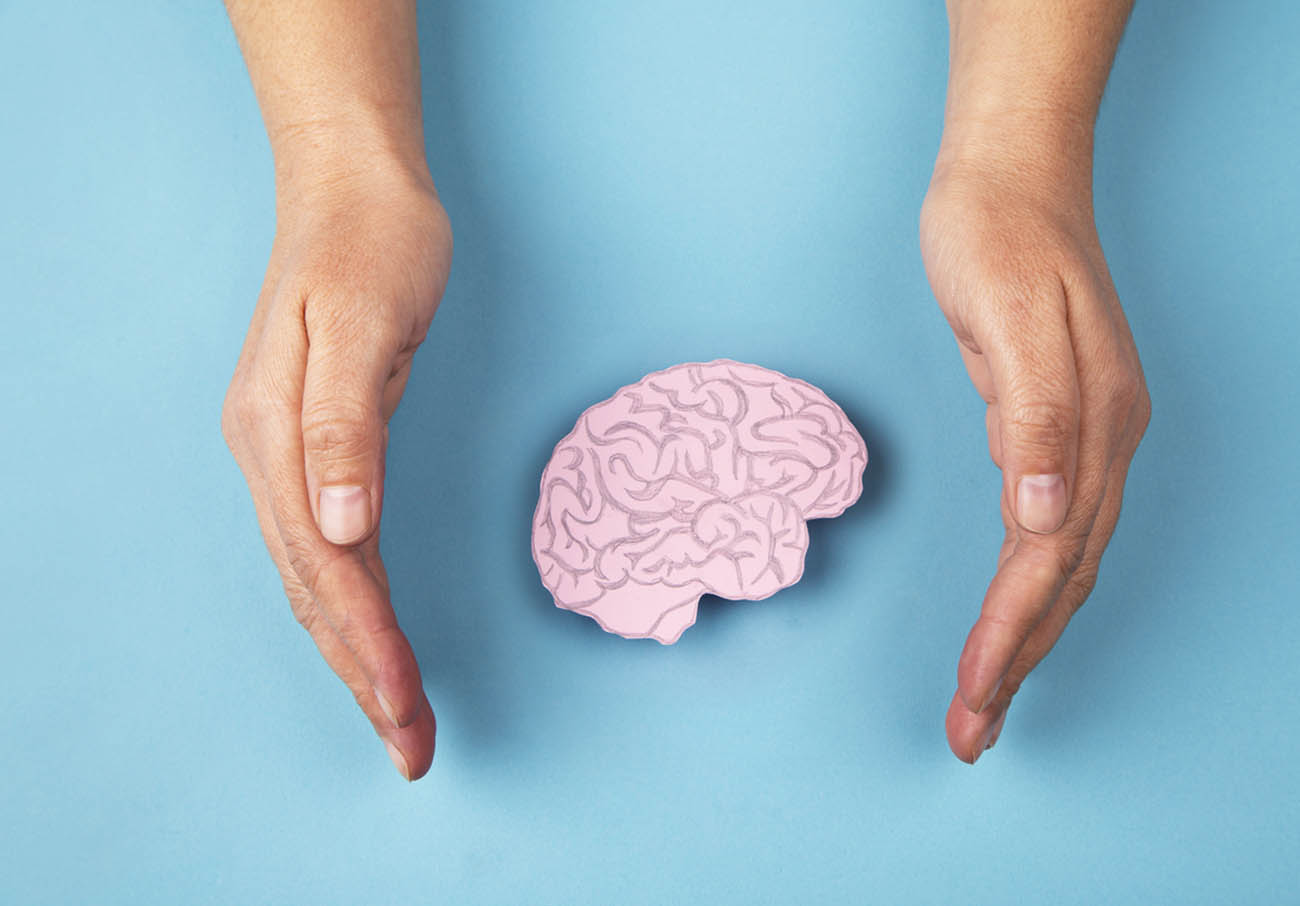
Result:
{"points": [[695, 480]]}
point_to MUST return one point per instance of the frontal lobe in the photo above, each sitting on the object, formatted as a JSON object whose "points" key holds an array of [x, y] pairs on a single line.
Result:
{"points": [[695, 480]]}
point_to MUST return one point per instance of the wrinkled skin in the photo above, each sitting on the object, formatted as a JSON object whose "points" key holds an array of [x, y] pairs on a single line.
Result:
{"points": [[356, 273], [357, 270], [1012, 254]]}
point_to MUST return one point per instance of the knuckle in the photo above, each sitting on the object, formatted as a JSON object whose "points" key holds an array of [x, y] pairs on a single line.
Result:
{"points": [[1036, 421], [305, 614], [1130, 399], [1143, 411], [329, 322], [251, 402], [1068, 560], [337, 322], [1127, 392], [348, 617], [304, 557], [1082, 583], [327, 592], [1052, 567], [438, 228], [229, 427], [1008, 299], [234, 416], [1018, 623], [339, 431]]}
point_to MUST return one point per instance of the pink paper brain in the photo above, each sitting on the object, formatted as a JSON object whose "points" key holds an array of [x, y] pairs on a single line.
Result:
{"points": [[698, 479]]}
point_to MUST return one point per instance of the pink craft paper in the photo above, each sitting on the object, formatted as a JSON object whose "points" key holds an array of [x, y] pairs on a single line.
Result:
{"points": [[698, 479]]}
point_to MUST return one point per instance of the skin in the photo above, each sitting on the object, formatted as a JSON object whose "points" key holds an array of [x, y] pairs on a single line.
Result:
{"points": [[363, 248], [361, 255], [1011, 249]]}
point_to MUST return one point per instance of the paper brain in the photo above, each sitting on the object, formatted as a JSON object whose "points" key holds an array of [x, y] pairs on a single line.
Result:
{"points": [[695, 480]]}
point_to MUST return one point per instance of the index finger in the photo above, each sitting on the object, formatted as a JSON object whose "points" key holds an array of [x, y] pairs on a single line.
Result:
{"points": [[1022, 592], [1031, 575], [1055, 445], [351, 597]]}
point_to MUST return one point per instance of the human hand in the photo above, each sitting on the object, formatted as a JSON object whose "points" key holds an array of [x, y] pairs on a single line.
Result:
{"points": [[1012, 254], [357, 269]]}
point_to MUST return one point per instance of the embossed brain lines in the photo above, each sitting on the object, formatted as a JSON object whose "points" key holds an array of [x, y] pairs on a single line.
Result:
{"points": [[698, 479]]}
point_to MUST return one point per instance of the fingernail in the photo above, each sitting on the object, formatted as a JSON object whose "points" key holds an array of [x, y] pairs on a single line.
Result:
{"points": [[399, 760], [986, 738], [1041, 503], [344, 513], [992, 694], [387, 707], [997, 728]]}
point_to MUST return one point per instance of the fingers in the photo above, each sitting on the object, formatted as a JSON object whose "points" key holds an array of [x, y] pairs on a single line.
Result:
{"points": [[348, 592], [1031, 363], [978, 369], [411, 747], [349, 362], [970, 733], [321, 370], [1033, 574], [1044, 339], [1025, 587], [1048, 456]]}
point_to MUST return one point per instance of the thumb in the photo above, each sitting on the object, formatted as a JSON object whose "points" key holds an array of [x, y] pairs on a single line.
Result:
{"points": [[343, 430], [1038, 421]]}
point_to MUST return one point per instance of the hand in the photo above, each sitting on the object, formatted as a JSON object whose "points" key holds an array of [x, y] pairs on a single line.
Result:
{"points": [[357, 269], [1012, 254]]}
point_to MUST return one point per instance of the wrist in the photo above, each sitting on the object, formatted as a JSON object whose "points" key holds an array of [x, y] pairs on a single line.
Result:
{"points": [[1032, 147], [319, 158]]}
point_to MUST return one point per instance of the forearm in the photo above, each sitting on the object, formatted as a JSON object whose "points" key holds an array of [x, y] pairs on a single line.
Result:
{"points": [[338, 83], [1029, 75]]}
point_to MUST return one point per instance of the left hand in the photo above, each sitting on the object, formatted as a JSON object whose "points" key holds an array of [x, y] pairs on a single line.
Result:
{"points": [[1012, 254]]}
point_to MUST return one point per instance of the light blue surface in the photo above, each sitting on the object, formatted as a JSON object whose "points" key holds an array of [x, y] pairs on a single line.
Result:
{"points": [[169, 733]]}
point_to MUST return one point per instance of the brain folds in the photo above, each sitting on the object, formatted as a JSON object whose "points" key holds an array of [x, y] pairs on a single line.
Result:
{"points": [[698, 479]]}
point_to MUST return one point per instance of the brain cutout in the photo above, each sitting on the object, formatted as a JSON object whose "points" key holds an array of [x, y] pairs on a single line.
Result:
{"points": [[695, 480]]}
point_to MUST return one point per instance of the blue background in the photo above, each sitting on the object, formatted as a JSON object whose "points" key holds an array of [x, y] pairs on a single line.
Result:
{"points": [[169, 733]]}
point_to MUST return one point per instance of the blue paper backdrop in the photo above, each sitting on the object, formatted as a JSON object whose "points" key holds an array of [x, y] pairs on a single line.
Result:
{"points": [[615, 172]]}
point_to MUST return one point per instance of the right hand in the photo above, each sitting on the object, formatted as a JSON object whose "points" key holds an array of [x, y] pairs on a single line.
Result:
{"points": [[1011, 249], [357, 269]]}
